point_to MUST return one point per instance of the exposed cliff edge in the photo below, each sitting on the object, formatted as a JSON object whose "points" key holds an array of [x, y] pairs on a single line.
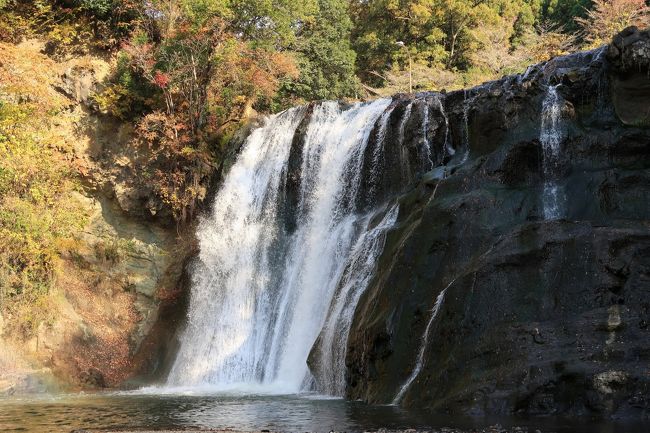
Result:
{"points": [[524, 271]]}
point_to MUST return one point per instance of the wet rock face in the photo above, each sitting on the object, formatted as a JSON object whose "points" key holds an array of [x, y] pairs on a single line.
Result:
{"points": [[540, 315], [629, 53]]}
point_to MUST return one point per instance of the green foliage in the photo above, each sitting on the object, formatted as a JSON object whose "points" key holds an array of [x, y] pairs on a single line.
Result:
{"points": [[476, 40], [325, 56], [70, 26], [271, 22], [36, 214], [99, 8], [127, 95], [188, 72], [564, 12]]}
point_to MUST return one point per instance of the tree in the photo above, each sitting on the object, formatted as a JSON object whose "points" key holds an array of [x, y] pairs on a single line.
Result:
{"points": [[206, 78], [324, 54], [380, 24], [272, 23], [609, 17], [439, 34], [562, 13]]}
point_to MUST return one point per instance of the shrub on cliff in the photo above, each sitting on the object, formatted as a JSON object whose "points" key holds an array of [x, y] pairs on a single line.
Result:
{"points": [[37, 215], [69, 26], [193, 86]]}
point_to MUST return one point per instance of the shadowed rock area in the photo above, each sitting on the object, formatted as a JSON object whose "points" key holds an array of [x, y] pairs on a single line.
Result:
{"points": [[540, 315]]}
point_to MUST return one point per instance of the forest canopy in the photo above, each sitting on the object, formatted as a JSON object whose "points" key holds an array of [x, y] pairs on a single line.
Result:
{"points": [[274, 53], [187, 73]]}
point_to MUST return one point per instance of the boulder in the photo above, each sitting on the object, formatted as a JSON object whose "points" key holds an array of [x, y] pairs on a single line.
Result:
{"points": [[79, 84]]}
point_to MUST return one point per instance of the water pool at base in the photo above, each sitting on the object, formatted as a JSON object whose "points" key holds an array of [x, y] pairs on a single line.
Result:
{"points": [[294, 413]]}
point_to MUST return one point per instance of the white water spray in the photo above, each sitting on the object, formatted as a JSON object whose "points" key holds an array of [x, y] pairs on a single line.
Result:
{"points": [[378, 151], [425, 132], [353, 282], [446, 146], [260, 295]]}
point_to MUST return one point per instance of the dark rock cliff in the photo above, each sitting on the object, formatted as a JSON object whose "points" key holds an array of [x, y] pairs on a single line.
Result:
{"points": [[540, 315]]}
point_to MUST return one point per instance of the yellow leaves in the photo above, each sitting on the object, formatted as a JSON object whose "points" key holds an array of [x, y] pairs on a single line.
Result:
{"points": [[28, 76], [187, 151], [420, 12], [240, 99], [608, 17], [35, 212], [114, 100]]}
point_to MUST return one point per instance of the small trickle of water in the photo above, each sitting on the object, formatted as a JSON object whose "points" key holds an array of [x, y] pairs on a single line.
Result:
{"points": [[467, 103], [446, 149], [551, 136], [405, 168], [426, 151], [419, 362]]}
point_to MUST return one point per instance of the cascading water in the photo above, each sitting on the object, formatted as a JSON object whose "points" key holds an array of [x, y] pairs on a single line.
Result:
{"points": [[467, 102], [379, 148], [355, 279], [550, 137], [426, 145], [406, 169], [261, 293], [446, 146]]}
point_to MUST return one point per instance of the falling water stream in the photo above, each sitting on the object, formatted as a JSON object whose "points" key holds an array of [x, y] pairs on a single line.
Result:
{"points": [[550, 137], [419, 362], [263, 293]]}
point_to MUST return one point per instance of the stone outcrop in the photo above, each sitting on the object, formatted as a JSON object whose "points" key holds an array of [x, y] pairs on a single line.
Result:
{"points": [[540, 316], [629, 54]]}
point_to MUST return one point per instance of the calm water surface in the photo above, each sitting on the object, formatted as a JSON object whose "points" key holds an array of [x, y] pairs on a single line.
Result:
{"points": [[303, 413]]}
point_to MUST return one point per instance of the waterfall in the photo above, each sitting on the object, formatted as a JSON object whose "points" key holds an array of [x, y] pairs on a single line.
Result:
{"points": [[466, 106], [406, 169], [375, 175], [262, 293], [550, 137]]}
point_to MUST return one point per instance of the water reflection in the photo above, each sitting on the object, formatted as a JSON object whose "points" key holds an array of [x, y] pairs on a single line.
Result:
{"points": [[275, 413]]}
